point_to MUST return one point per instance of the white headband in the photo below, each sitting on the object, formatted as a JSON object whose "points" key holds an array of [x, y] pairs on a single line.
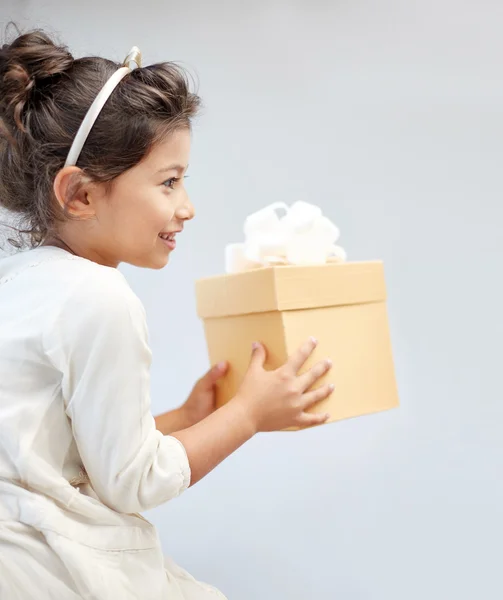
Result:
{"points": [[99, 102]]}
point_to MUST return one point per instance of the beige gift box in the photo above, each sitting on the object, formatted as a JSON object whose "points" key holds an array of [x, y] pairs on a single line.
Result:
{"points": [[342, 305]]}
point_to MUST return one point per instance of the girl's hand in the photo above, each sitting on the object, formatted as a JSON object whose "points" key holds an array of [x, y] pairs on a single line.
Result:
{"points": [[275, 400], [267, 400], [201, 402]]}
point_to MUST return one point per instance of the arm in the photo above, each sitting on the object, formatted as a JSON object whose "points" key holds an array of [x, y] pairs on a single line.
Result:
{"points": [[173, 420], [98, 342], [200, 403], [213, 439]]}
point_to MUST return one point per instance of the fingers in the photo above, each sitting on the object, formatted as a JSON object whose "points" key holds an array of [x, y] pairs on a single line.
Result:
{"points": [[309, 399], [209, 379], [299, 357], [308, 420], [314, 396], [218, 370], [310, 377], [258, 355]]}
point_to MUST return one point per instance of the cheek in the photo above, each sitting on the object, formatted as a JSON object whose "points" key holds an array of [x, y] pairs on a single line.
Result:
{"points": [[122, 212], [149, 214], [163, 207], [166, 212], [159, 215], [141, 215]]}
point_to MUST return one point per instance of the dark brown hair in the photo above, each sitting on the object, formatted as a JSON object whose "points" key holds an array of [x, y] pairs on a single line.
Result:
{"points": [[44, 96]]}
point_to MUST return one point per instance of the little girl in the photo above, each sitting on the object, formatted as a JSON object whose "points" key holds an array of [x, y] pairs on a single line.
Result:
{"points": [[92, 158]]}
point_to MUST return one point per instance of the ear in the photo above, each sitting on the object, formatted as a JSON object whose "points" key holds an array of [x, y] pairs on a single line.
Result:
{"points": [[73, 193]]}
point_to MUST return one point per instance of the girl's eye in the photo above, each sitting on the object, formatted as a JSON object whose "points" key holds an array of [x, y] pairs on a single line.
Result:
{"points": [[170, 183]]}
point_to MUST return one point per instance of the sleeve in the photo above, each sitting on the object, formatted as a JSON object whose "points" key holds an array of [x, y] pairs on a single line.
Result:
{"points": [[99, 344]]}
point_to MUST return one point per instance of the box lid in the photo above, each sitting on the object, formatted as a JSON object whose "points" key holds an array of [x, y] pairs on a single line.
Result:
{"points": [[290, 288]]}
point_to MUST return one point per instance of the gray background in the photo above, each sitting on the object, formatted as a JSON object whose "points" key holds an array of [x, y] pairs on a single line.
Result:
{"points": [[389, 115]]}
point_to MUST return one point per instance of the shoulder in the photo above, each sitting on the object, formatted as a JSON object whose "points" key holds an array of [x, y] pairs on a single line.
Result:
{"points": [[70, 286], [96, 316], [101, 293]]}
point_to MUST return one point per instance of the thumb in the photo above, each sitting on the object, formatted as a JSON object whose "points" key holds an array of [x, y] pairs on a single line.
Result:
{"points": [[258, 355]]}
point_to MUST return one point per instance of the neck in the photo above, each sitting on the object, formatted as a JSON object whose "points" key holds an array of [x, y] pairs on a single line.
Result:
{"points": [[58, 243], [79, 250]]}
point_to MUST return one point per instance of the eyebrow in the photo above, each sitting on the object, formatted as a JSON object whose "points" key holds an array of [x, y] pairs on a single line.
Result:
{"points": [[175, 167]]}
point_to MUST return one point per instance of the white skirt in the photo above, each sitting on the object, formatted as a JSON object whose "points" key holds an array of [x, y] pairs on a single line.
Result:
{"points": [[49, 566]]}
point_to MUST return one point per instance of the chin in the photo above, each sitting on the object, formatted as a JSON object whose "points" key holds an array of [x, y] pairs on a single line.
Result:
{"points": [[158, 264], [154, 261]]}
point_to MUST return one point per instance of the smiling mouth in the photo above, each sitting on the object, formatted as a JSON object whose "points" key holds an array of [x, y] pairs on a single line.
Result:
{"points": [[167, 236], [169, 239]]}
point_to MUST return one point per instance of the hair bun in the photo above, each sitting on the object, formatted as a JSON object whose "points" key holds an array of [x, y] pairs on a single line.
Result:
{"points": [[30, 61]]}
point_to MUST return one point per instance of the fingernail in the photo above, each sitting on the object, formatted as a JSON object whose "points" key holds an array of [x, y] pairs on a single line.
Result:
{"points": [[327, 416], [331, 387], [328, 362], [255, 346], [221, 366], [314, 340]]}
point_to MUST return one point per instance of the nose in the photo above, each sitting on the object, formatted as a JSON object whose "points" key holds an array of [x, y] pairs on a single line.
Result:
{"points": [[185, 210]]}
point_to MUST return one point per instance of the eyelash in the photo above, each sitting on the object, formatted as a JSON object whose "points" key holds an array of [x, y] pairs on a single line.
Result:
{"points": [[172, 181]]}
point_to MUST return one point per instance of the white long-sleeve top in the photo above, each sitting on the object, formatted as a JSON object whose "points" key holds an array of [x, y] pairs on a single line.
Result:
{"points": [[79, 450]]}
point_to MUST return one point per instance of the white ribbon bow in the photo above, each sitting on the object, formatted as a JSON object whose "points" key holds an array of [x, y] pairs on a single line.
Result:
{"points": [[302, 236]]}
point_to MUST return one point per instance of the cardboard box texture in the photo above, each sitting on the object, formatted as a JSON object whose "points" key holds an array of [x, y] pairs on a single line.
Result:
{"points": [[342, 305]]}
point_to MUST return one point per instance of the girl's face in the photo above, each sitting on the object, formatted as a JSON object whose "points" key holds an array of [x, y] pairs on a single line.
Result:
{"points": [[138, 218]]}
